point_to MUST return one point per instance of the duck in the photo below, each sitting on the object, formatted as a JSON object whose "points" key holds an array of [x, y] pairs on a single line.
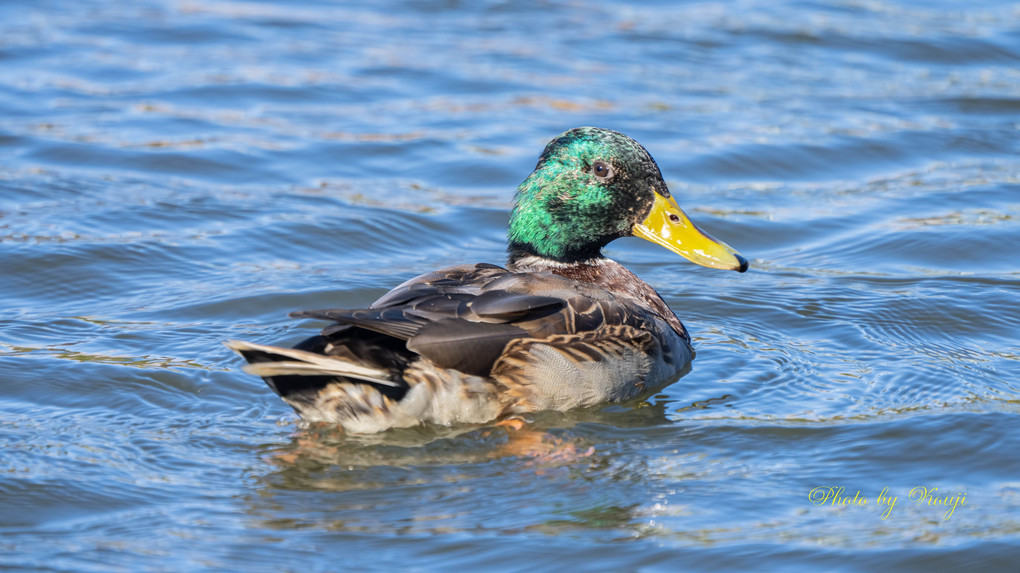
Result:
{"points": [[560, 326]]}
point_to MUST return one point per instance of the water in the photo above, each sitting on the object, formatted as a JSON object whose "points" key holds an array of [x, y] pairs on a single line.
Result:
{"points": [[177, 173]]}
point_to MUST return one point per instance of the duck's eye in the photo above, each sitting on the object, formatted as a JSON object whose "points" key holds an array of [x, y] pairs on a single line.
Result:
{"points": [[602, 170]]}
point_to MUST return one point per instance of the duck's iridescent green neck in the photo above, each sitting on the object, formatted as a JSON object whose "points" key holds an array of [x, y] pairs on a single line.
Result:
{"points": [[543, 224], [580, 197]]}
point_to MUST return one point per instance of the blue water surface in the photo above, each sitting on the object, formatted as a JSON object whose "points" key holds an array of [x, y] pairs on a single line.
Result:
{"points": [[175, 173]]}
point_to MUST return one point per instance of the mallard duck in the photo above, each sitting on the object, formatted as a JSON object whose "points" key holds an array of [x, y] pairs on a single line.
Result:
{"points": [[560, 327]]}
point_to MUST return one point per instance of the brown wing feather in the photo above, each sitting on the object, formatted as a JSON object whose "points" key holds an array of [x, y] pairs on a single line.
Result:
{"points": [[464, 317], [470, 347]]}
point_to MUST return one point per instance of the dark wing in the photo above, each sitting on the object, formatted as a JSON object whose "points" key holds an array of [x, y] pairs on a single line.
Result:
{"points": [[464, 317]]}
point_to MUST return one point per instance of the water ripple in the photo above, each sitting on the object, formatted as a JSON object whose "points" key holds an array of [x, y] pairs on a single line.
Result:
{"points": [[179, 173]]}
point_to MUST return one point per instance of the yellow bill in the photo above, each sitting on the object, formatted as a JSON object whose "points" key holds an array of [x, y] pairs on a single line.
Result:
{"points": [[668, 225]]}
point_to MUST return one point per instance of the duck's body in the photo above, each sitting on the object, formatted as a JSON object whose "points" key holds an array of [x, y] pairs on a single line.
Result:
{"points": [[561, 327], [473, 343]]}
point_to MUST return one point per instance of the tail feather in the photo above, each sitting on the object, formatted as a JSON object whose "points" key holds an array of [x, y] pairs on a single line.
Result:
{"points": [[293, 362]]}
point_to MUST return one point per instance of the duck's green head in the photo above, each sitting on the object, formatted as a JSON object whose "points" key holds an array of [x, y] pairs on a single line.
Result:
{"points": [[594, 185]]}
